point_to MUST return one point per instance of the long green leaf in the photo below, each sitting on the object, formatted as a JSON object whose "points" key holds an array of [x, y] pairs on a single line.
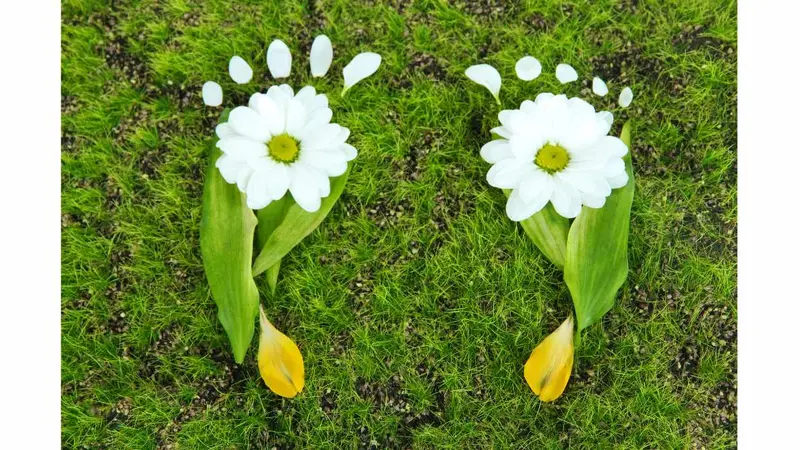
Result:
{"points": [[548, 230], [295, 227], [268, 220], [597, 250], [226, 242]]}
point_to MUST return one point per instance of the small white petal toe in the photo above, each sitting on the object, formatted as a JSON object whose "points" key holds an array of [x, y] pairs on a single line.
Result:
{"points": [[321, 56], [361, 66], [599, 87], [528, 68], [212, 93], [239, 70], [487, 76], [625, 97], [279, 59], [566, 73]]}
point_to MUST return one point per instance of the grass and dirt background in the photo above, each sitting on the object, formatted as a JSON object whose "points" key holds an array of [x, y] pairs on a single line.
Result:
{"points": [[417, 301]]}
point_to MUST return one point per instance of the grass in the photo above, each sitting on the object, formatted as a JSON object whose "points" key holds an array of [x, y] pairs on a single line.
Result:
{"points": [[416, 302]]}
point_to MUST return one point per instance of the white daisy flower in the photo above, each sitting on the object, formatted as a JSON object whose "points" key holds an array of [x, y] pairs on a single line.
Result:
{"points": [[555, 149], [284, 141]]}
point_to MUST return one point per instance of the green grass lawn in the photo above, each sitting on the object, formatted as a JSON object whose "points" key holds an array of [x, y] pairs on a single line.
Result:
{"points": [[417, 301]]}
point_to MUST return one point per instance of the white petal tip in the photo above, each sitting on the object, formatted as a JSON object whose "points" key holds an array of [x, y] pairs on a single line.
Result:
{"points": [[487, 76], [360, 67], [528, 68], [239, 70], [321, 56], [279, 59], [212, 93], [625, 97], [566, 73], [599, 87]]}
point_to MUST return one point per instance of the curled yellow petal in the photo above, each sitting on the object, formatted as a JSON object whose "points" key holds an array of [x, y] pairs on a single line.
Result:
{"points": [[550, 364], [279, 361]]}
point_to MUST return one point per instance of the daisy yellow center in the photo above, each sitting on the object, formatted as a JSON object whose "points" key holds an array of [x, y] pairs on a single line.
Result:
{"points": [[552, 158], [283, 148]]}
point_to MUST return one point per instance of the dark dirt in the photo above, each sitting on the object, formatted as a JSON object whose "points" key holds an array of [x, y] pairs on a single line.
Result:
{"points": [[392, 398], [428, 65], [386, 213], [694, 37], [487, 9]]}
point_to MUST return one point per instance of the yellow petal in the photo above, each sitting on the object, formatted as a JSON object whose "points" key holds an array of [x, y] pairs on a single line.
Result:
{"points": [[548, 369], [279, 361]]}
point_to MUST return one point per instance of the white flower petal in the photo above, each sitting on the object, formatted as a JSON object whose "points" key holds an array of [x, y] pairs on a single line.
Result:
{"points": [[487, 76], [518, 209], [332, 163], [544, 97], [593, 201], [502, 132], [281, 98], [272, 116], [618, 181], [229, 167], [537, 184], [607, 118], [362, 66], [247, 122], [305, 95], [243, 177], [566, 199], [523, 148], [625, 97], [528, 68], [611, 146], [257, 195], [349, 152], [315, 120], [322, 138], [242, 149], [304, 188], [321, 56], [239, 70], [496, 151], [287, 90], [279, 59], [224, 130], [295, 118], [599, 87], [340, 138], [528, 107], [566, 73], [212, 93], [613, 167], [508, 173], [279, 181]]}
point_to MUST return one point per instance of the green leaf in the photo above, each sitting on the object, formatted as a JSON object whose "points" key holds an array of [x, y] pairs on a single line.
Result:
{"points": [[268, 220], [597, 250], [548, 230], [226, 242], [295, 227], [272, 277]]}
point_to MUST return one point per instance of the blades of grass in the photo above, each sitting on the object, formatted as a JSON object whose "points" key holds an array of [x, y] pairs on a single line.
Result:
{"points": [[597, 250], [296, 226], [226, 242]]}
